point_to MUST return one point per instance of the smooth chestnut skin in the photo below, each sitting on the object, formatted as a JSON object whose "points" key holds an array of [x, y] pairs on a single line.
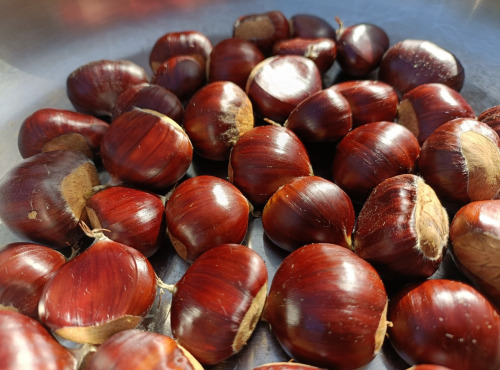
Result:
{"points": [[308, 210], [426, 107], [232, 60], [203, 212], [146, 149], [179, 43], [402, 229], [327, 307], [216, 117], [370, 101], [228, 284], [107, 288], [279, 83], [324, 116], [285, 366], [461, 161], [26, 344], [25, 268], [41, 131], [139, 349], [491, 117], [445, 322], [428, 367], [410, 63], [475, 245], [371, 153], [311, 26], [265, 158], [129, 216], [42, 198], [94, 87]]}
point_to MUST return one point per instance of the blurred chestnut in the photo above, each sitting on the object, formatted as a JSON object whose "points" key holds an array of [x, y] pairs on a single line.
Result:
{"points": [[173, 44], [461, 161], [94, 87], [428, 367], [42, 198], [216, 116], [410, 63], [203, 212], [371, 153], [146, 149], [308, 210], [232, 60], [370, 101], [491, 117], [265, 158], [402, 229], [53, 129], [445, 322], [279, 83], [285, 366], [475, 245], [428, 106], [310, 26], [327, 307]]}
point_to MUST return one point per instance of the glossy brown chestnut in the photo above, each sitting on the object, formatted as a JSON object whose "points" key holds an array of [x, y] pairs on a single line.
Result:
{"points": [[26, 344], [491, 117], [370, 101], [426, 107], [203, 212], [308, 210], [179, 43], [285, 366], [25, 268], [265, 158], [279, 83], [146, 149], [428, 367], [139, 349], [129, 216], [107, 288], [445, 322], [340, 324], [43, 198], [410, 63], [475, 245], [402, 229], [461, 161], [232, 60], [324, 116], [94, 87], [311, 26], [371, 153], [50, 129], [216, 117], [218, 302]]}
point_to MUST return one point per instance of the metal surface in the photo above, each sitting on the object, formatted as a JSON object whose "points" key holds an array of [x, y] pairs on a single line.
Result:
{"points": [[42, 41]]}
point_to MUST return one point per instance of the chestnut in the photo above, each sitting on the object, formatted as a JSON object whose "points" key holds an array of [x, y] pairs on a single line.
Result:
{"points": [[461, 161], [310, 26], [94, 87], [308, 210], [475, 245], [402, 229], [445, 322], [216, 116], [203, 212], [491, 117], [371, 153], [428, 367], [265, 158], [285, 366], [327, 307], [427, 106], [410, 63]]}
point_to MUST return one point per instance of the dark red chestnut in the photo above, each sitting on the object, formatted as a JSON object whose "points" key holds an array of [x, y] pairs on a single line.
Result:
{"points": [[428, 367], [265, 158], [203, 212], [327, 307], [310, 26], [410, 63], [371, 153], [402, 229], [445, 322], [308, 210], [426, 107], [491, 117], [216, 116], [285, 366], [94, 87]]}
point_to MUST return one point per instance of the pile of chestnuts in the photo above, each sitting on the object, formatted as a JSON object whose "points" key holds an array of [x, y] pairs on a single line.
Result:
{"points": [[365, 185]]}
